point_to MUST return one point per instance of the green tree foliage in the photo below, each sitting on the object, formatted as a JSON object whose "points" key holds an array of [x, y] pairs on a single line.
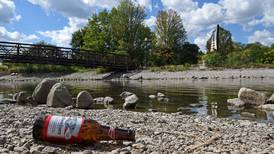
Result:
{"points": [[214, 59], [249, 55], [170, 35], [77, 39], [97, 34], [189, 54], [129, 32]]}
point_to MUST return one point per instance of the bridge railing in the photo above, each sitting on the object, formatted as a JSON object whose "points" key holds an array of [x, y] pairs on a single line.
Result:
{"points": [[60, 55]]}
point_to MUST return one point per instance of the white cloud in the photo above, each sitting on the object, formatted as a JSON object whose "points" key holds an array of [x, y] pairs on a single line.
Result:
{"points": [[199, 19], [241, 11], [62, 37], [150, 22], [265, 37], [207, 16], [268, 18], [5, 35], [74, 8], [8, 14], [77, 12], [145, 3], [202, 39], [180, 5]]}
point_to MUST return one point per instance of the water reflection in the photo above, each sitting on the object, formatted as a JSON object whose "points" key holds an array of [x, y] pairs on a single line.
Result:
{"points": [[206, 97]]}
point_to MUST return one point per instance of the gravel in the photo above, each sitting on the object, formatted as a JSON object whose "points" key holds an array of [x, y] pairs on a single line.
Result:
{"points": [[256, 73], [155, 132]]}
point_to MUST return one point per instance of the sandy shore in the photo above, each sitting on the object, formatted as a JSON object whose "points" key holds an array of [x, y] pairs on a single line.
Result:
{"points": [[155, 133], [148, 75]]}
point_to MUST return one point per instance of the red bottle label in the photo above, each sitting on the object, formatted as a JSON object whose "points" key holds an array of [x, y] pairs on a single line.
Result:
{"points": [[62, 128]]}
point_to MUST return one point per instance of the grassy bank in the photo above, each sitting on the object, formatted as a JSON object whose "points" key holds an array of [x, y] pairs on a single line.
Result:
{"points": [[170, 68], [45, 68]]}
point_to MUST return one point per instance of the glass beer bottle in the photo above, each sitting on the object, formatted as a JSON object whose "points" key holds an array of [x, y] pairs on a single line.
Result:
{"points": [[76, 130]]}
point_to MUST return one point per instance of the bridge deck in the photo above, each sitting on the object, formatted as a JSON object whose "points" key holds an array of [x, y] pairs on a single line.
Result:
{"points": [[43, 54]]}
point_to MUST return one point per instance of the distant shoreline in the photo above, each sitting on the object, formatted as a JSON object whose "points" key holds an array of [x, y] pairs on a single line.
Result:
{"points": [[261, 73]]}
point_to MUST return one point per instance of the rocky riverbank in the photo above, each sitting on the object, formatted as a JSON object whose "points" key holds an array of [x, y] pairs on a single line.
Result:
{"points": [[147, 75], [155, 132]]}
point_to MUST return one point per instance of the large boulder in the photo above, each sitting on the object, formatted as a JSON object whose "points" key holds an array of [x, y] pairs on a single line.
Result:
{"points": [[59, 96], [41, 91], [235, 102], [251, 97], [130, 102], [84, 100]]}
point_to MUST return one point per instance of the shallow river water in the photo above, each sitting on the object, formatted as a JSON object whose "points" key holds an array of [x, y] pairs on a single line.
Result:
{"points": [[203, 97]]}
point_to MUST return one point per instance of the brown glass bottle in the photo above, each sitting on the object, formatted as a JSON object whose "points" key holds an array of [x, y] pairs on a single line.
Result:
{"points": [[76, 130]]}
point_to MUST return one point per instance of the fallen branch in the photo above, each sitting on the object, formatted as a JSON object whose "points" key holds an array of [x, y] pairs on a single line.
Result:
{"points": [[215, 137], [177, 133]]}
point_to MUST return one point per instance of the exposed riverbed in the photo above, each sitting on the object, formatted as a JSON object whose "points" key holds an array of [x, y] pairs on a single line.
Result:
{"points": [[194, 117], [201, 97], [155, 132]]}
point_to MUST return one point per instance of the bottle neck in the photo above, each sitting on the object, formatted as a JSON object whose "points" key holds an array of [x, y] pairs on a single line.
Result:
{"points": [[109, 133]]}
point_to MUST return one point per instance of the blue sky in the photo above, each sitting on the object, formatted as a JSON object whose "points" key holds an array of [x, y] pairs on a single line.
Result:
{"points": [[55, 20]]}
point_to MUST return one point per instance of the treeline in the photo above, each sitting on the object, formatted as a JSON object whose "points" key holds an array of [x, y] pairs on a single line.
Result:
{"points": [[122, 30], [242, 55]]}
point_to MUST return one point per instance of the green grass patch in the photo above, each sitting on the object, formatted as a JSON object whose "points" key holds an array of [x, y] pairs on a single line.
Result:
{"points": [[45, 68], [170, 68]]}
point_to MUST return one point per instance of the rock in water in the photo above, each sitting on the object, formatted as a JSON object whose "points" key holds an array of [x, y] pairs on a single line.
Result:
{"points": [[41, 91], [22, 97], [108, 100], [267, 107], [271, 99], [14, 97], [99, 100], [251, 97], [160, 94], [152, 96], [59, 96], [235, 102], [84, 100], [248, 114], [130, 101], [125, 94]]}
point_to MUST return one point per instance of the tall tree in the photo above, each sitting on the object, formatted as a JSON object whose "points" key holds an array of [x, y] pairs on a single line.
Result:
{"points": [[98, 33], [77, 39], [170, 34], [128, 30]]}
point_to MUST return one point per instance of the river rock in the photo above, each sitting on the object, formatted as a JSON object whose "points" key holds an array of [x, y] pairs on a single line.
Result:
{"points": [[251, 97], [8, 101], [152, 96], [108, 100], [235, 102], [267, 107], [130, 101], [22, 97], [59, 96], [84, 100], [14, 97], [42, 90], [248, 114], [271, 99], [160, 94], [99, 100], [125, 94]]}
